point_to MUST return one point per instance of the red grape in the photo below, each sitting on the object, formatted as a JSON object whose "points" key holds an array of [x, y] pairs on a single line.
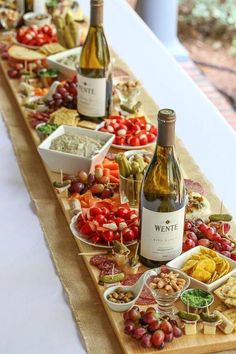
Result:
{"points": [[217, 237], [150, 317], [134, 315], [154, 326], [150, 309], [166, 327], [169, 337], [83, 176], [203, 228], [129, 329], [192, 236], [158, 338], [139, 332], [233, 256], [226, 227], [226, 253], [76, 187], [146, 340], [204, 242], [210, 232], [107, 193], [177, 332], [187, 226], [188, 244]]}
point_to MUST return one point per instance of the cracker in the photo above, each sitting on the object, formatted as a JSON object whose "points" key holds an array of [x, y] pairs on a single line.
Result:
{"points": [[87, 124], [222, 307], [231, 314], [230, 301]]}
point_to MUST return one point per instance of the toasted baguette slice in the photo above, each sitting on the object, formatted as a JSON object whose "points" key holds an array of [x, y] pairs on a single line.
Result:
{"points": [[21, 53]]}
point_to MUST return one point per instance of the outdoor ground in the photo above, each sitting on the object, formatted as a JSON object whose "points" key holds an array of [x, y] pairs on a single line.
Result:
{"points": [[217, 82]]}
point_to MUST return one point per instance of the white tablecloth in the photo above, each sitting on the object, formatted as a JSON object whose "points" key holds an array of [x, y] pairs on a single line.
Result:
{"points": [[35, 319]]}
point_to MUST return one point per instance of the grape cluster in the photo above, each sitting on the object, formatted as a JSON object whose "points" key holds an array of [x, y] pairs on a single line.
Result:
{"points": [[65, 96], [148, 327], [99, 186], [211, 235]]}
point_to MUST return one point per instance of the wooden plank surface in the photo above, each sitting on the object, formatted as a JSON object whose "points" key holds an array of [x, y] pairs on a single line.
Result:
{"points": [[196, 344]]}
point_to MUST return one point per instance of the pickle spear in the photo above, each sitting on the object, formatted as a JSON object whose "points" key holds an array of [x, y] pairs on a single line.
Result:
{"points": [[109, 278], [188, 316]]}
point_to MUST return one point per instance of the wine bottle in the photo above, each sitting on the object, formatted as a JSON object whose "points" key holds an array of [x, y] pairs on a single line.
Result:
{"points": [[24, 6], [94, 71], [162, 200]]}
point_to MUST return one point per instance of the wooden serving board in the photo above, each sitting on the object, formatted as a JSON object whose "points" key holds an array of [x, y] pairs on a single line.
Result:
{"points": [[195, 344]]}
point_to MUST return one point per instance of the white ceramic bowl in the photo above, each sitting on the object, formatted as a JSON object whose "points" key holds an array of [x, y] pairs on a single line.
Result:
{"points": [[67, 71], [71, 163], [179, 261], [30, 20]]}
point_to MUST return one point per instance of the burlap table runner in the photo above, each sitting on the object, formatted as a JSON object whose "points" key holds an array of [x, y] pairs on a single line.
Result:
{"points": [[84, 301]]}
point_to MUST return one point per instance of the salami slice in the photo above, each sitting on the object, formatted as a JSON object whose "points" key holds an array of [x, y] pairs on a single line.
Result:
{"points": [[110, 271], [96, 260], [107, 264], [131, 279], [143, 302], [193, 186], [146, 294]]}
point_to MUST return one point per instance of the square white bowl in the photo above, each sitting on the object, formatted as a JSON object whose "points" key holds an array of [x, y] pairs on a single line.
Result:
{"points": [[179, 261], [71, 163], [67, 71]]}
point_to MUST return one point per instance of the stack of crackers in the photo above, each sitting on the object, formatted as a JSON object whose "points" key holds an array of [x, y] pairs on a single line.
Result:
{"points": [[227, 294]]}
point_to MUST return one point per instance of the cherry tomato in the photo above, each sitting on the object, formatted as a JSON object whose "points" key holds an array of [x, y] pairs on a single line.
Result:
{"points": [[100, 219], [123, 212], [134, 141], [153, 130], [135, 230], [136, 129], [108, 235], [132, 215], [95, 211], [87, 229], [119, 140], [151, 137], [128, 235], [95, 238], [143, 139], [117, 235], [118, 220], [105, 211]]}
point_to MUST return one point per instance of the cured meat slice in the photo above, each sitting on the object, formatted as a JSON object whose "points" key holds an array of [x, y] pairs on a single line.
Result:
{"points": [[193, 186], [145, 297], [131, 279], [142, 302], [146, 294], [107, 264], [96, 260], [110, 271]]}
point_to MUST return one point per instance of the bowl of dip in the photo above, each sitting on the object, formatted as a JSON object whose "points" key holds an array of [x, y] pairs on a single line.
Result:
{"points": [[71, 149]]}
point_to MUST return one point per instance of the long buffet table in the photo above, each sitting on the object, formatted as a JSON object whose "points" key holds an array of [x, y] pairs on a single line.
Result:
{"points": [[34, 313]]}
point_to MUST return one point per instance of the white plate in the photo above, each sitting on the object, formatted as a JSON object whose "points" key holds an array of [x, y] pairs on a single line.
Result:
{"points": [[78, 235], [127, 147], [25, 45]]}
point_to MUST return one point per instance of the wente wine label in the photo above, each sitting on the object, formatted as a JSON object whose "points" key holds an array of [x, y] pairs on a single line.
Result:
{"points": [[92, 96], [162, 236], [94, 71], [162, 202]]}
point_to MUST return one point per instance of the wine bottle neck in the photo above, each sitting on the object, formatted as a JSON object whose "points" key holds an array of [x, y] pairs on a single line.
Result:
{"points": [[96, 14], [166, 134]]}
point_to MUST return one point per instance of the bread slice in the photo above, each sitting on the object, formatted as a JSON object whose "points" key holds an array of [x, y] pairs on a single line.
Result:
{"points": [[21, 53]]}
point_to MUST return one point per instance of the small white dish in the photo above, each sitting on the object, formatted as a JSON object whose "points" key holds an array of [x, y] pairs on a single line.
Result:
{"points": [[67, 71], [179, 261], [71, 163], [30, 19], [136, 289]]}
